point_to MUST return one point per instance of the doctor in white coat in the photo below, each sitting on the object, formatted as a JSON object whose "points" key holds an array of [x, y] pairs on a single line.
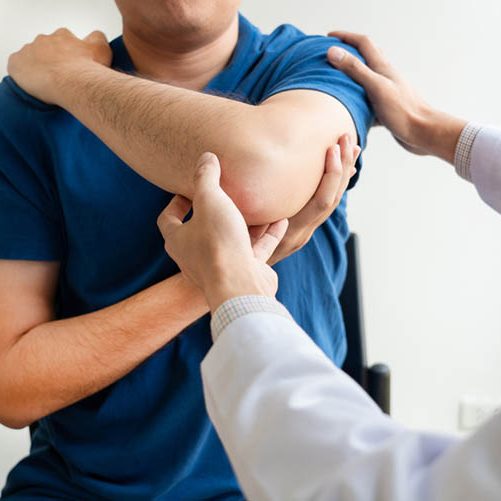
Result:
{"points": [[294, 426]]}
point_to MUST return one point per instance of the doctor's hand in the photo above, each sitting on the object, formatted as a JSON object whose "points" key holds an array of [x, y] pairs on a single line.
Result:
{"points": [[414, 124], [213, 249], [40, 67]]}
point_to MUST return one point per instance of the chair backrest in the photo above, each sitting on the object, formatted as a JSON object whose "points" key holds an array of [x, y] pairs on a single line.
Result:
{"points": [[355, 364]]}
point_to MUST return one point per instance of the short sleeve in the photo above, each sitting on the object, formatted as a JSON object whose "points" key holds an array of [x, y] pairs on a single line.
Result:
{"points": [[30, 227], [304, 65]]}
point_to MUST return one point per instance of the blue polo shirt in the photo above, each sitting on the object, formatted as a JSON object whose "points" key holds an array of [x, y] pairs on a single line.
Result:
{"points": [[65, 196]]}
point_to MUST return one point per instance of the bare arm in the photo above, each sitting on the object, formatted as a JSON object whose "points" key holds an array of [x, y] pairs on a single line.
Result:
{"points": [[46, 365], [160, 130]]}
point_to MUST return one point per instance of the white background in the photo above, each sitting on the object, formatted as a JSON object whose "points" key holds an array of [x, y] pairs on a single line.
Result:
{"points": [[430, 249]]}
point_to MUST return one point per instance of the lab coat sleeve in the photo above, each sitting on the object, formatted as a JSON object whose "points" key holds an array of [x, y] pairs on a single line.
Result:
{"points": [[478, 159], [295, 427], [486, 166]]}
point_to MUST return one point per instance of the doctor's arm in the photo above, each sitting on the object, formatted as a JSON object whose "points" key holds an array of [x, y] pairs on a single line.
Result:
{"points": [[294, 426], [475, 151], [160, 130]]}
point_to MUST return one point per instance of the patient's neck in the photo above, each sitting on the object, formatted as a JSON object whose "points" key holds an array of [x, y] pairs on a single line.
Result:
{"points": [[190, 64]]}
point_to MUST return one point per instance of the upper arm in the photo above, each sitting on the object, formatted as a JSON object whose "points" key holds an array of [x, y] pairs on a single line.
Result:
{"points": [[30, 214], [27, 291], [30, 227]]}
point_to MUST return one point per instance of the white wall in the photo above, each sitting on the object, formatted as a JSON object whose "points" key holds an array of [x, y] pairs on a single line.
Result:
{"points": [[430, 249]]}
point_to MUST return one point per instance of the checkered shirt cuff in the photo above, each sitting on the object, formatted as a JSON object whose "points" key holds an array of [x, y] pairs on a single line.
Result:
{"points": [[237, 307], [462, 159]]}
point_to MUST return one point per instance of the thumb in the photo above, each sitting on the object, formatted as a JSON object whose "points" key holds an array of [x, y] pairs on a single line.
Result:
{"points": [[97, 38], [208, 172], [352, 66], [173, 215], [101, 47], [266, 245]]}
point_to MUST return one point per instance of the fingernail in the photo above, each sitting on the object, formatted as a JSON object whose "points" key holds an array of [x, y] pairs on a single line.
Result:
{"points": [[336, 54]]}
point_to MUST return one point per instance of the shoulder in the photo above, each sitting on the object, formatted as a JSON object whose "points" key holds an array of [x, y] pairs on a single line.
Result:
{"points": [[15, 99], [20, 113], [23, 118], [23, 131], [287, 40], [299, 61]]}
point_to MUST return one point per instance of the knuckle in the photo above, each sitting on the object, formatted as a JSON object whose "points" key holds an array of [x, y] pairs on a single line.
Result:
{"points": [[160, 220], [353, 63], [366, 41], [323, 204], [296, 244]]}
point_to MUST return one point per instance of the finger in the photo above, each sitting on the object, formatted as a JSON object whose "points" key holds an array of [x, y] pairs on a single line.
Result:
{"points": [[356, 154], [348, 160], [324, 197], [353, 67], [266, 245], [256, 232], [173, 215], [370, 52], [64, 31], [96, 37], [208, 172], [321, 205]]}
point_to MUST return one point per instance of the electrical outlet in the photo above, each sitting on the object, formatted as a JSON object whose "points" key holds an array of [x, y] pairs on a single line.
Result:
{"points": [[474, 410]]}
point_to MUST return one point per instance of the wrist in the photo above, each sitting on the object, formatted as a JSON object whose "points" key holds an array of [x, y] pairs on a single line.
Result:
{"points": [[231, 282], [186, 288], [438, 133]]}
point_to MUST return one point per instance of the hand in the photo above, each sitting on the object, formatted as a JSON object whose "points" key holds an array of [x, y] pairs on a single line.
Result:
{"points": [[39, 67], [415, 125], [213, 249], [339, 169]]}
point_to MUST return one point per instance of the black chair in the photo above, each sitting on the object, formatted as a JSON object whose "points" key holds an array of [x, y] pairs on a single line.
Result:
{"points": [[375, 379]]}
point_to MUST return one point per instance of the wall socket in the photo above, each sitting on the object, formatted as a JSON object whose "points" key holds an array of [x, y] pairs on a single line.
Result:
{"points": [[474, 410]]}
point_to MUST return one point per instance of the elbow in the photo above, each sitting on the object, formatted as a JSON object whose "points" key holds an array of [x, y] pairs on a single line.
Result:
{"points": [[262, 182], [15, 424], [251, 199], [15, 420], [13, 413]]}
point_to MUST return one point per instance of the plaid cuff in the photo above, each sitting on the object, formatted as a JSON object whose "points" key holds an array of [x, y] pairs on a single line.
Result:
{"points": [[462, 159], [244, 305]]}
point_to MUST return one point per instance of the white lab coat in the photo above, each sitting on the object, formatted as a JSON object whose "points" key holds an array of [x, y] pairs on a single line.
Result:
{"points": [[295, 427], [486, 166]]}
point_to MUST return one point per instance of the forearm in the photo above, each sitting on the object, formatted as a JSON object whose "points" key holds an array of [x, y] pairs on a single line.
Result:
{"points": [[59, 363], [157, 129]]}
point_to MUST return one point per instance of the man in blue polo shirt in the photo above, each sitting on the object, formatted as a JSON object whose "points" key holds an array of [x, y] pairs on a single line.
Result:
{"points": [[90, 154]]}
